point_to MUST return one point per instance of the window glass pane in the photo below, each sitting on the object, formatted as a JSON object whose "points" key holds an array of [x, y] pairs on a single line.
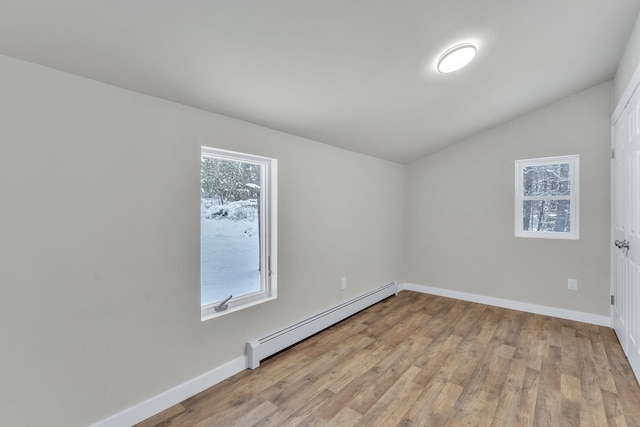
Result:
{"points": [[547, 180], [546, 215], [230, 228]]}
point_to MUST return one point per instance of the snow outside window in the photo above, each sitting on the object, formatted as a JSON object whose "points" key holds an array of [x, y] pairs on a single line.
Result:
{"points": [[237, 231], [547, 197]]}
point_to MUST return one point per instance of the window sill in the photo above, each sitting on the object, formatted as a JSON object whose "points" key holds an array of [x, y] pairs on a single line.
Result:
{"points": [[548, 235], [208, 312]]}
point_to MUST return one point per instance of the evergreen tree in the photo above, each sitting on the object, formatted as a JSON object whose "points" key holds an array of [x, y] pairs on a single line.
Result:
{"points": [[226, 180]]}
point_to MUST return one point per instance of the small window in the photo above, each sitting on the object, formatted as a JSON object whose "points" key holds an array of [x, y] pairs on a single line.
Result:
{"points": [[237, 231], [547, 197]]}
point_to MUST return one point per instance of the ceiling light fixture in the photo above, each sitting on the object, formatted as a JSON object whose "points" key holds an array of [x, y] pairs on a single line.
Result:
{"points": [[456, 57]]}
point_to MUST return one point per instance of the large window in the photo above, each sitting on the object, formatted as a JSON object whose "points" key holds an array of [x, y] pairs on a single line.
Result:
{"points": [[238, 234], [547, 197]]}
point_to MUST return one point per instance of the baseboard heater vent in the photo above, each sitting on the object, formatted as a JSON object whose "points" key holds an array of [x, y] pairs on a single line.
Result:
{"points": [[261, 348]]}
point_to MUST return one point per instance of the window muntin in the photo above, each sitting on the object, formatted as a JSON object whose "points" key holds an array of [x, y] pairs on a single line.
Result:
{"points": [[547, 197], [237, 217]]}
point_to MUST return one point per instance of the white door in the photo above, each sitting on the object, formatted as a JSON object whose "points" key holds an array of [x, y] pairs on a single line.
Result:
{"points": [[626, 231]]}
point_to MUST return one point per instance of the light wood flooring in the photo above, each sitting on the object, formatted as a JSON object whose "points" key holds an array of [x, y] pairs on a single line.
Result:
{"points": [[422, 360]]}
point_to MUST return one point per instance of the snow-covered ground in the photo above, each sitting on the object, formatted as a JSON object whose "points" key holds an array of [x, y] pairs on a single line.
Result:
{"points": [[230, 251]]}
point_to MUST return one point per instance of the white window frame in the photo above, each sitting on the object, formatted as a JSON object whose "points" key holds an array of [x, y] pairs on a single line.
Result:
{"points": [[268, 242], [573, 197]]}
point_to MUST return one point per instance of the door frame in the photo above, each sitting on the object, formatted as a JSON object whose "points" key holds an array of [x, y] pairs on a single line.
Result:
{"points": [[632, 86]]}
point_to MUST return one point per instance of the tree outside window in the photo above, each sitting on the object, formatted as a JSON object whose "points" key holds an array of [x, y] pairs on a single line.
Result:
{"points": [[547, 197], [237, 230]]}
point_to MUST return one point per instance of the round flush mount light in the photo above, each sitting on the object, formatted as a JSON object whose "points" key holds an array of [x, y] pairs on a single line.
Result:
{"points": [[456, 57]]}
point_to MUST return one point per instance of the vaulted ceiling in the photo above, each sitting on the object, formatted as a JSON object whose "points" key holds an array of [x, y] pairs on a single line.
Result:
{"points": [[357, 74]]}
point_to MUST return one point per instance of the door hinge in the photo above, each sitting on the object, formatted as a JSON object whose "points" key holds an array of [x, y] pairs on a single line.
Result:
{"points": [[611, 299], [613, 153]]}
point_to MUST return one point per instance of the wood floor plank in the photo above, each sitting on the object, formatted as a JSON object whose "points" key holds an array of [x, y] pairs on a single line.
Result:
{"points": [[253, 416], [422, 407], [447, 399], [613, 408], [528, 396], [438, 357], [570, 388], [424, 360], [601, 362], [395, 402], [300, 414], [376, 382], [361, 365], [571, 414], [548, 408], [507, 409], [346, 417]]}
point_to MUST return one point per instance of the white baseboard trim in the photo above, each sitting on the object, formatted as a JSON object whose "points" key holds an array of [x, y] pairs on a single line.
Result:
{"points": [[513, 305], [167, 399]]}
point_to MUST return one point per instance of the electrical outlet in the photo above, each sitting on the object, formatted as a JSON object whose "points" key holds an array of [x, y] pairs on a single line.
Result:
{"points": [[343, 283], [572, 284]]}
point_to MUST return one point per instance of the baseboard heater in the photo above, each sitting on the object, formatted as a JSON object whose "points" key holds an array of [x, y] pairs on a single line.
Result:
{"points": [[261, 348]]}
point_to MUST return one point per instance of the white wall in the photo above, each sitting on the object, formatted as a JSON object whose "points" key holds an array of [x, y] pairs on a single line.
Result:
{"points": [[628, 64], [99, 249], [460, 211]]}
